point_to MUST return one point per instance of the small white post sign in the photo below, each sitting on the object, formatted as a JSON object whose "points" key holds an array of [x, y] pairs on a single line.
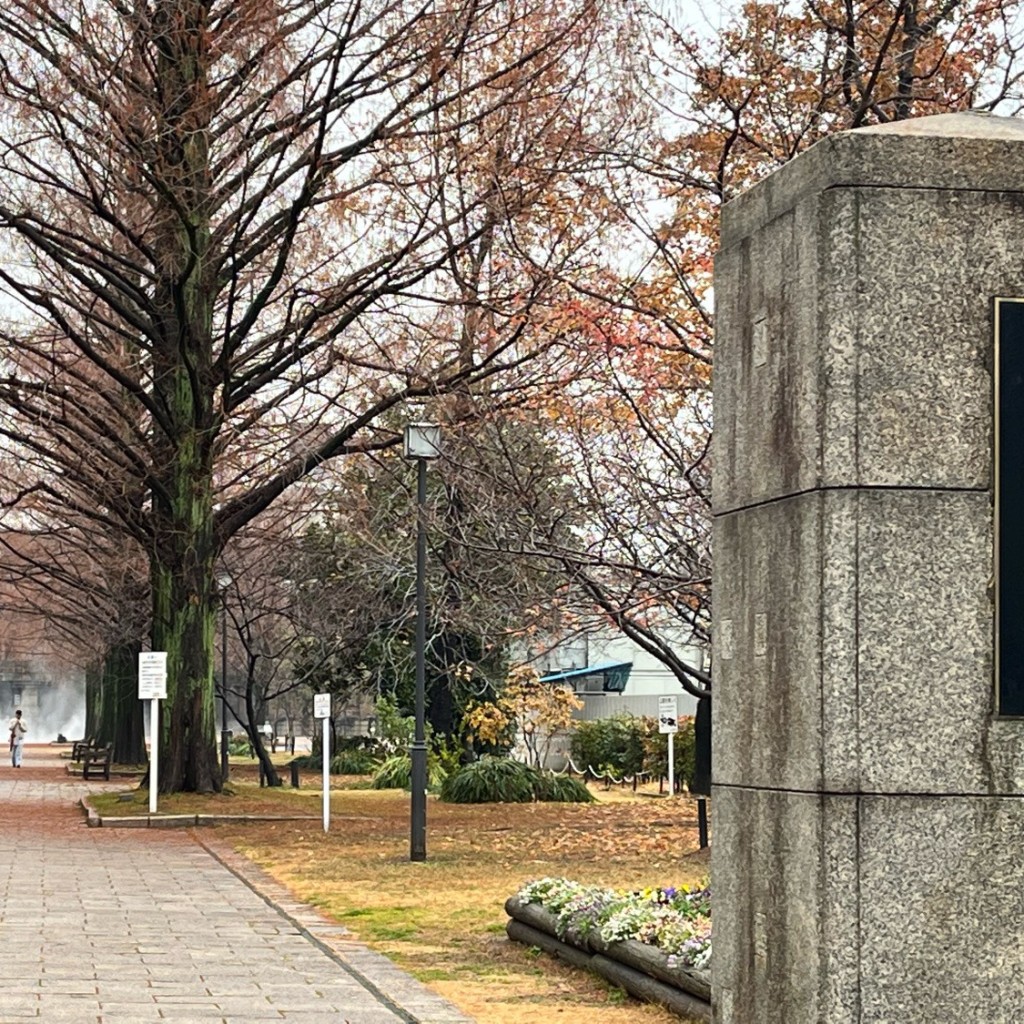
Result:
{"points": [[322, 710], [153, 687], [668, 723]]}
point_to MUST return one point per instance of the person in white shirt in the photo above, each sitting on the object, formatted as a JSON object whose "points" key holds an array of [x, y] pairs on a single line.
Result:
{"points": [[17, 729]]}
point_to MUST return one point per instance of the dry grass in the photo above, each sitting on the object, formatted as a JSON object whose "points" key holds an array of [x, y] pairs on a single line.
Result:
{"points": [[443, 920]]}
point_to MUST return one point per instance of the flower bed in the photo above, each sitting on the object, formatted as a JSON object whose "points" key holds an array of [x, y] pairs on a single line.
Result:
{"points": [[656, 944]]}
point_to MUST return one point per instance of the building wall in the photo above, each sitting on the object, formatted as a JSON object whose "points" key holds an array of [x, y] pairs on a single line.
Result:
{"points": [[648, 679]]}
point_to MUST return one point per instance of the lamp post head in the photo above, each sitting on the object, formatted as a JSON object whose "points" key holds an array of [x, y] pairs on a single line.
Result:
{"points": [[422, 441]]}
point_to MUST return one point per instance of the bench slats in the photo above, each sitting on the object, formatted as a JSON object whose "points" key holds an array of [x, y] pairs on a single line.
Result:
{"points": [[98, 760]]}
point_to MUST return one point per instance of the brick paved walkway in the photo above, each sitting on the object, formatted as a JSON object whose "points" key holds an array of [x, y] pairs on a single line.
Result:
{"points": [[144, 925]]}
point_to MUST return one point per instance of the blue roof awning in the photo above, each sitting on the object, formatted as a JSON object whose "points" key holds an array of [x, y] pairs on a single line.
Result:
{"points": [[614, 675]]}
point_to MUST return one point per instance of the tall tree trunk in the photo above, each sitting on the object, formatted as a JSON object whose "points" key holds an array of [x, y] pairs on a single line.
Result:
{"points": [[121, 713], [184, 623], [185, 601], [93, 700]]}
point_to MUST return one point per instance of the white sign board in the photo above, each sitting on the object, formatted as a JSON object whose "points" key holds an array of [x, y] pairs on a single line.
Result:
{"points": [[152, 675], [153, 687], [667, 715], [322, 705]]}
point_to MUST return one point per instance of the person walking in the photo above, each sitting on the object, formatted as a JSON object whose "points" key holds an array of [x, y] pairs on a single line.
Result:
{"points": [[18, 729]]}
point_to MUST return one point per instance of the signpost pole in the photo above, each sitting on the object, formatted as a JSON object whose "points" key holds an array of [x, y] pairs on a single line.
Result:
{"points": [[327, 776], [322, 710], [154, 751], [153, 687], [668, 723]]}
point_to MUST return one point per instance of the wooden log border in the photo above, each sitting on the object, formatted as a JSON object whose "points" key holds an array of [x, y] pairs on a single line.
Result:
{"points": [[640, 969]]}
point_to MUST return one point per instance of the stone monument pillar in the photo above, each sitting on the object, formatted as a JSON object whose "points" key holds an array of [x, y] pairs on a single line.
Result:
{"points": [[868, 798]]}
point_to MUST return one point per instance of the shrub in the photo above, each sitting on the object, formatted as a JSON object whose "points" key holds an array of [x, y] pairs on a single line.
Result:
{"points": [[560, 789], [625, 745], [395, 772], [502, 780], [354, 761], [490, 780], [615, 743], [239, 745]]}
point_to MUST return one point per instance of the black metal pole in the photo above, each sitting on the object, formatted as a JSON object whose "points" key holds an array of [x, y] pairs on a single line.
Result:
{"points": [[702, 823], [224, 769], [418, 749]]}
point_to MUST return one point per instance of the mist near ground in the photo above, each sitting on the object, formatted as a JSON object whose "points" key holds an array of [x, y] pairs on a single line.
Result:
{"points": [[61, 711]]}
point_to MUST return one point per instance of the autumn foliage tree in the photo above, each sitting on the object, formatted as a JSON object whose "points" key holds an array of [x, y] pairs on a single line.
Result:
{"points": [[238, 235], [634, 430], [537, 711]]}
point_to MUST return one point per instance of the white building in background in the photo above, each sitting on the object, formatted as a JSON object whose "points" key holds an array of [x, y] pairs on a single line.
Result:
{"points": [[612, 675]]}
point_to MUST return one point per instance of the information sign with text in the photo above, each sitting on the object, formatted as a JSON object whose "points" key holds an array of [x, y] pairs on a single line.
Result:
{"points": [[153, 675]]}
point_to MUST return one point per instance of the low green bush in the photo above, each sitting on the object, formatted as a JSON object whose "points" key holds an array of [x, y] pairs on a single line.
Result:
{"points": [[490, 780], [239, 745], [395, 772], [560, 789], [615, 744], [354, 762], [502, 780], [623, 745]]}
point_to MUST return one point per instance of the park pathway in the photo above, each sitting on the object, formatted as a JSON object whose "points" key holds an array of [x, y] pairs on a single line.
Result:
{"points": [[144, 925]]}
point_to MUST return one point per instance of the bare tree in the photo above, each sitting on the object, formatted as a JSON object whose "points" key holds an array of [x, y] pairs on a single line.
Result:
{"points": [[231, 253], [86, 593]]}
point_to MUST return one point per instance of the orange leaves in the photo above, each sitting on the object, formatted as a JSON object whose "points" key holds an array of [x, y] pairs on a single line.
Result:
{"points": [[487, 722], [525, 702], [778, 77]]}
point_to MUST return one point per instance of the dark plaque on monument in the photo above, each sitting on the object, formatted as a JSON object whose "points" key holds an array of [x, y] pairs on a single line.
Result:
{"points": [[1009, 504]]}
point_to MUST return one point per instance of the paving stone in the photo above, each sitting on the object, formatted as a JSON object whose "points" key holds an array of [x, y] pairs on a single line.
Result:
{"points": [[151, 924]]}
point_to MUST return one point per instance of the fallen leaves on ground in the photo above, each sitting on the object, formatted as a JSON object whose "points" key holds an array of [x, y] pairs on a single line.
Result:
{"points": [[444, 919]]}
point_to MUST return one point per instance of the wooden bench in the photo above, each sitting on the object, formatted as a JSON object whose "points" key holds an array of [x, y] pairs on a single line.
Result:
{"points": [[79, 747], [96, 760]]}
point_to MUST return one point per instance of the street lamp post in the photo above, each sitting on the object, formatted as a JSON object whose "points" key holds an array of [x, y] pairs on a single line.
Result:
{"points": [[422, 442], [223, 581]]}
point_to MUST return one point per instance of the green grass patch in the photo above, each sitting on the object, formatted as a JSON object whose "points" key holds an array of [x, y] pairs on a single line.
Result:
{"points": [[434, 974], [392, 934], [384, 924]]}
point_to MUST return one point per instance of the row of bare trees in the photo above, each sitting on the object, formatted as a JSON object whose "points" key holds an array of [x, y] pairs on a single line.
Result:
{"points": [[238, 238], [242, 243]]}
